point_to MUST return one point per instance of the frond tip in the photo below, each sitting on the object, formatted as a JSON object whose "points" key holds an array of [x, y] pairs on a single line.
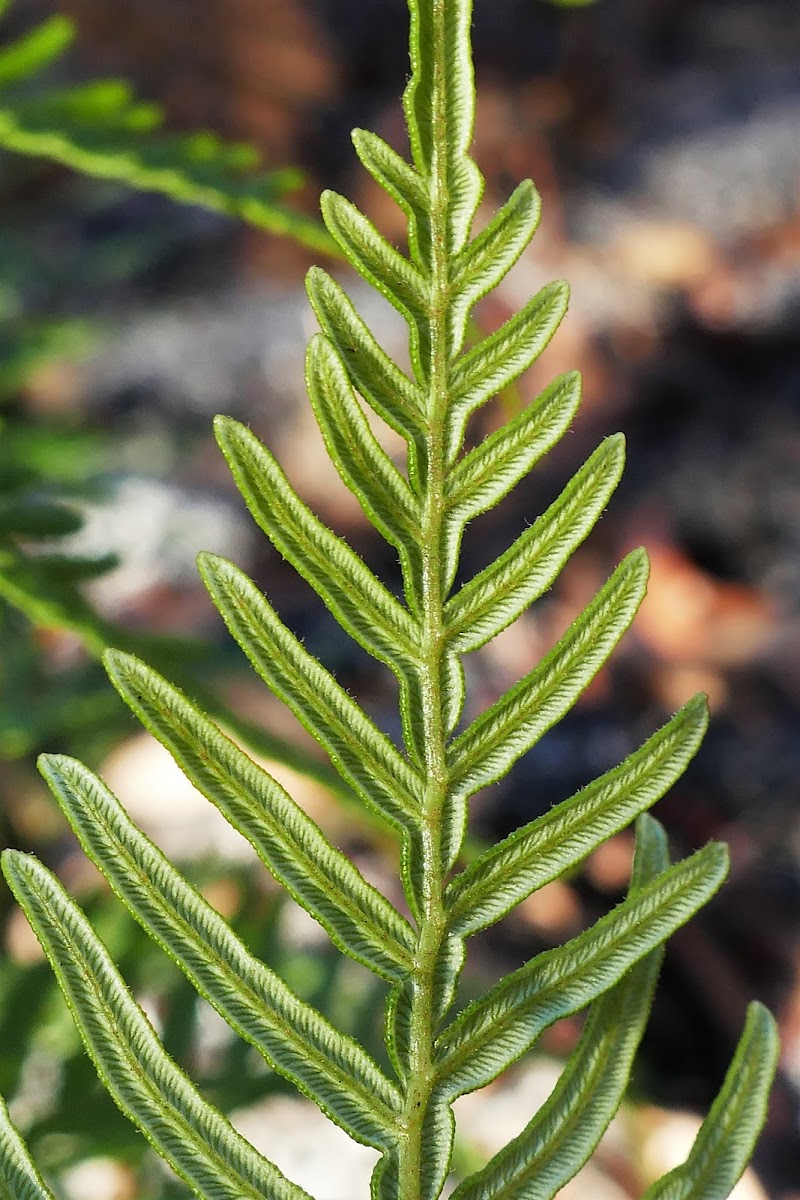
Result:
{"points": [[19, 1178], [727, 1137]]}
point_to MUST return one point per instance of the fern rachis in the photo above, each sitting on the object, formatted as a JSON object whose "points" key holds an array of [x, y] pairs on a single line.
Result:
{"points": [[422, 790]]}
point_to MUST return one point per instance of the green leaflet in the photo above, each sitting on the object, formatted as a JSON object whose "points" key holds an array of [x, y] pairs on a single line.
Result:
{"points": [[358, 600], [401, 181], [500, 593], [488, 473], [195, 1139], [559, 1139], [65, 568], [495, 1030], [490, 256], [319, 876], [33, 518], [361, 753], [392, 274], [496, 739], [726, 1138], [392, 172], [19, 1179], [35, 50], [373, 374], [358, 455], [501, 358], [81, 149], [362, 462], [330, 1068], [556, 842]]}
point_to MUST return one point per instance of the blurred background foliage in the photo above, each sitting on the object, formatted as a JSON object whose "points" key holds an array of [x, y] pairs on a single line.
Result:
{"points": [[663, 135]]}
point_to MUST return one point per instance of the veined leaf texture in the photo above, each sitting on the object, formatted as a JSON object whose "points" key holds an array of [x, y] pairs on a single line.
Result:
{"points": [[421, 788]]}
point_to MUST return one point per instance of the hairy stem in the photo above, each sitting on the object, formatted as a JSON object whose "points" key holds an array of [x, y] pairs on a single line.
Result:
{"points": [[423, 1017]]}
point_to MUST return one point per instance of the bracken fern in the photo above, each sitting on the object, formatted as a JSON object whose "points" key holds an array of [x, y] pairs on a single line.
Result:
{"points": [[423, 790]]}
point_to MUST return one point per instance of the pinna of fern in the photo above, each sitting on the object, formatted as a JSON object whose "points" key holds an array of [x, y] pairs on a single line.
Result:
{"points": [[421, 790]]}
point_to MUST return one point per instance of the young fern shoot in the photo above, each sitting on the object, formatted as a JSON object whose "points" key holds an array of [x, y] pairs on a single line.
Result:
{"points": [[422, 790]]}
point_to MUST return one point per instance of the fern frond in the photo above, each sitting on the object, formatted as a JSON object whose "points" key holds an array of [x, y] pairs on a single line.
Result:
{"points": [[403, 285], [488, 258], [489, 472], [501, 358], [360, 752], [494, 598], [363, 464], [494, 741], [195, 1139], [358, 600], [390, 392], [420, 789], [401, 181]]}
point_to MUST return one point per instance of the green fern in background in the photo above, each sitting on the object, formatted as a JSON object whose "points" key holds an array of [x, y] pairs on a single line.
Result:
{"points": [[101, 129], [46, 585], [422, 791]]}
